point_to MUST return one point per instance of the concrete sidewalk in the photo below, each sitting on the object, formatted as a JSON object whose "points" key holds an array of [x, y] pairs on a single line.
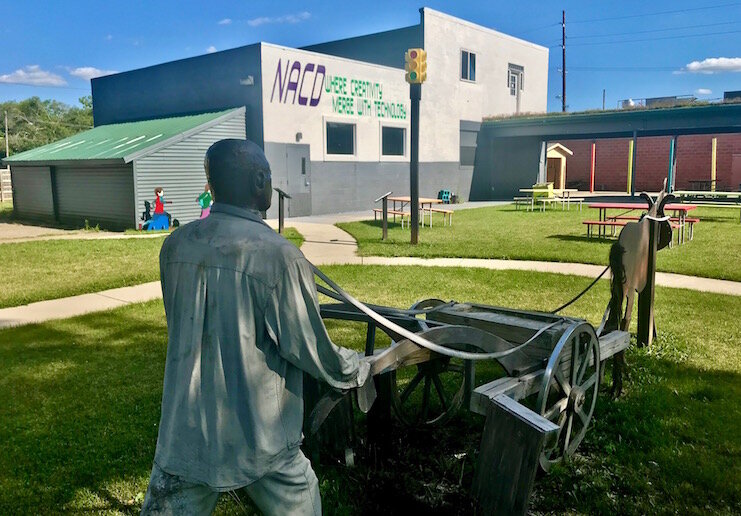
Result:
{"points": [[78, 305]]}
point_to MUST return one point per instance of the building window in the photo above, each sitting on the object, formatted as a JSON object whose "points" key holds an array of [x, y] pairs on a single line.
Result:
{"points": [[340, 138], [468, 66], [515, 76], [392, 141]]}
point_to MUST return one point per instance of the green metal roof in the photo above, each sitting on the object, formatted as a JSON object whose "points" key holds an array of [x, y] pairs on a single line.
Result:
{"points": [[122, 142], [702, 119]]}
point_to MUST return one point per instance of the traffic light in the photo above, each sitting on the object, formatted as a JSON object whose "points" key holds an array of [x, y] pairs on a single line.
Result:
{"points": [[415, 64]]}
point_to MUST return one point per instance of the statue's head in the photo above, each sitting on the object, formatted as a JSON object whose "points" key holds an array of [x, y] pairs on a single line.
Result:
{"points": [[239, 174]]}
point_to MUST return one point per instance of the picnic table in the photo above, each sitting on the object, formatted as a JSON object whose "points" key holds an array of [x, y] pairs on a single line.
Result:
{"points": [[405, 200], [679, 212], [560, 195]]}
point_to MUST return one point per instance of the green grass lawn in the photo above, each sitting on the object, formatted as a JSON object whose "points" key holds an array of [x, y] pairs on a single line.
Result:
{"points": [[51, 269], [81, 406], [6, 211], [555, 235]]}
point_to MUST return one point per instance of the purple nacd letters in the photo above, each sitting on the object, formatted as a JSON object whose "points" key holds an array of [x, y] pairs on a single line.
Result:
{"points": [[294, 78]]}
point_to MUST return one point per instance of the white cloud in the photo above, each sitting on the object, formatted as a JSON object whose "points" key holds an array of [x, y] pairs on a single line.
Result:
{"points": [[225, 21], [33, 75], [211, 49], [703, 91], [89, 72], [109, 37], [715, 65], [287, 18]]}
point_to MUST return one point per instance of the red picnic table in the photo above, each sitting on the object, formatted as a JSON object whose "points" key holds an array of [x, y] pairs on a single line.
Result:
{"points": [[679, 212]]}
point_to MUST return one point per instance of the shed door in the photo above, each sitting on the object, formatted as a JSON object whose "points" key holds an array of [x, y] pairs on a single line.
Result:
{"points": [[32, 195], [101, 195]]}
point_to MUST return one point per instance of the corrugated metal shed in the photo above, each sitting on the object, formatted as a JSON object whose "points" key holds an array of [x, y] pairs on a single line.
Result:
{"points": [[122, 142], [104, 175]]}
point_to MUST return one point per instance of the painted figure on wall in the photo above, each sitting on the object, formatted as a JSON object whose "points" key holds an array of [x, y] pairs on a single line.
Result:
{"points": [[160, 219], [205, 200]]}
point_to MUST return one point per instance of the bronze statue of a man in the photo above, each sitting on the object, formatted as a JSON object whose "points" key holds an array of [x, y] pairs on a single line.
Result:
{"points": [[243, 326]]}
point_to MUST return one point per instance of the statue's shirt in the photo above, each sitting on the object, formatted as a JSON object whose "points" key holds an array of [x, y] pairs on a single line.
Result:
{"points": [[243, 323]]}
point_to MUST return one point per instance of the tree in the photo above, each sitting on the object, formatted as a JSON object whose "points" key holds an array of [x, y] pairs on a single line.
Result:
{"points": [[34, 122]]}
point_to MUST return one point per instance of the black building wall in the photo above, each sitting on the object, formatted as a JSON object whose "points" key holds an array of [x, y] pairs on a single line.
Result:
{"points": [[211, 82]]}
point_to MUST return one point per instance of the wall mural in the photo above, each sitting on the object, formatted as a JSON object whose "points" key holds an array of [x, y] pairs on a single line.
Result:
{"points": [[305, 84]]}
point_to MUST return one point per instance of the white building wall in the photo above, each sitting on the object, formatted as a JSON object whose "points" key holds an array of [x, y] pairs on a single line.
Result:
{"points": [[342, 90], [447, 99]]}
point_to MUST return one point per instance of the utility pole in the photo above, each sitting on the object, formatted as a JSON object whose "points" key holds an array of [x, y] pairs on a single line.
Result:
{"points": [[563, 58], [603, 99], [7, 141]]}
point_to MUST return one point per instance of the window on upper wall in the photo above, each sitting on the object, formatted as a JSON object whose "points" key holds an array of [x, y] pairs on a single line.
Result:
{"points": [[340, 138], [392, 141], [515, 78], [468, 66]]}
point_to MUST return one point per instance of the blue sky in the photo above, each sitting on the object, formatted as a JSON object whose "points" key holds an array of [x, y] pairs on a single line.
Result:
{"points": [[52, 48]]}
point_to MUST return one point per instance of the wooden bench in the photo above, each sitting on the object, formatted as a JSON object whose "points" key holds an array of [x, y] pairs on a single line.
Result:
{"points": [[526, 201], [603, 223], [569, 200], [446, 213], [706, 204], [548, 200], [402, 214], [690, 221]]}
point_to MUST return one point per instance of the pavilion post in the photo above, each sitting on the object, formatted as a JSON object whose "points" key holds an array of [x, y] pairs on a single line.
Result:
{"points": [[630, 166], [713, 156], [672, 175], [542, 164], [633, 163], [591, 172]]}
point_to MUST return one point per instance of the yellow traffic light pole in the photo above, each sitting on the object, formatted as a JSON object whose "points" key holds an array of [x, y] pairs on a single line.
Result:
{"points": [[415, 64]]}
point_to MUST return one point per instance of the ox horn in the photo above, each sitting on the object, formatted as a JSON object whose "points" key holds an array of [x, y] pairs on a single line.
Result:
{"points": [[667, 198], [648, 199]]}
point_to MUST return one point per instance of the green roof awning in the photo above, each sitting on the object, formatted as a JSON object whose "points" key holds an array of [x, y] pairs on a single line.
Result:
{"points": [[122, 142]]}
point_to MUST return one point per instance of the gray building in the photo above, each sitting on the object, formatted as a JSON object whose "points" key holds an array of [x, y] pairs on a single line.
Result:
{"points": [[333, 118]]}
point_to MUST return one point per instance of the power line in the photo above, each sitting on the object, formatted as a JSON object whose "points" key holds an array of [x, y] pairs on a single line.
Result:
{"points": [[619, 68], [521, 33], [656, 39], [658, 13], [652, 30]]}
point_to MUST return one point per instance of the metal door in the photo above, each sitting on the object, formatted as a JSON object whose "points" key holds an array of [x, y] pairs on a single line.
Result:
{"points": [[298, 180]]}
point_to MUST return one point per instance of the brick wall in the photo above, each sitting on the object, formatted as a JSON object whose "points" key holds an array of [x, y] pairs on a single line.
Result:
{"points": [[693, 161]]}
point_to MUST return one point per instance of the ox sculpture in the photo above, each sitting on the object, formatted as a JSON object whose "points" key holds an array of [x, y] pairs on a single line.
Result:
{"points": [[632, 263]]}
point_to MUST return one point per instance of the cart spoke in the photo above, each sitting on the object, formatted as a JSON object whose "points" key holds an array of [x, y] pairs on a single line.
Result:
{"points": [[566, 440], [426, 399], [584, 365], [574, 358], [440, 391], [563, 383], [556, 409], [412, 385], [583, 417], [591, 381]]}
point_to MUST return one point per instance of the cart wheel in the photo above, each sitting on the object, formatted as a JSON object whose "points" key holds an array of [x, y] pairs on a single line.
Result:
{"points": [[427, 303], [430, 393], [569, 391]]}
